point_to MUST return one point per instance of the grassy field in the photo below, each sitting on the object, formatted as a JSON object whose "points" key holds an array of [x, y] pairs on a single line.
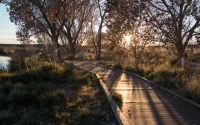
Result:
{"points": [[53, 95]]}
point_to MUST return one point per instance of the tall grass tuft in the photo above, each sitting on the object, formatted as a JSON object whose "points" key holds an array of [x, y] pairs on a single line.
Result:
{"points": [[53, 73], [118, 66], [116, 96], [138, 71]]}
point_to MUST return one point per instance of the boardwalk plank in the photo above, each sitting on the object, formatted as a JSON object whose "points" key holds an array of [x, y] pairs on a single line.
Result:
{"points": [[144, 103]]}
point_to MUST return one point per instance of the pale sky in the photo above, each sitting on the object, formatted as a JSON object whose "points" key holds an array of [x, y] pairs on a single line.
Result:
{"points": [[7, 28]]}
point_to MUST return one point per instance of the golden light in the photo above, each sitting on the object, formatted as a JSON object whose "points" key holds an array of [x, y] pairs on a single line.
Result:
{"points": [[127, 38]]}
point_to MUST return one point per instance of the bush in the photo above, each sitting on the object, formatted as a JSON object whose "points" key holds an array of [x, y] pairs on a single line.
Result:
{"points": [[173, 61], [109, 64], [167, 76], [53, 73], [134, 70], [23, 98], [118, 66], [193, 95], [71, 57], [16, 64]]}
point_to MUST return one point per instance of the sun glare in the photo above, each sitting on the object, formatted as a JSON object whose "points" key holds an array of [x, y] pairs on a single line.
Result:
{"points": [[127, 38]]}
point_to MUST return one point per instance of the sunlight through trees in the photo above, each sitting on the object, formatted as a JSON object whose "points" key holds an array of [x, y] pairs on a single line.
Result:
{"points": [[73, 22]]}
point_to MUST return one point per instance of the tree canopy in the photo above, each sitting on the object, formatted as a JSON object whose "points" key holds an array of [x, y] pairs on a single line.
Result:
{"points": [[176, 21], [173, 22]]}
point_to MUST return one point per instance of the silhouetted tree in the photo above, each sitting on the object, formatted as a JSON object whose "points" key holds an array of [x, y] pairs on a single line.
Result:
{"points": [[101, 9], [175, 21], [77, 25], [40, 16]]}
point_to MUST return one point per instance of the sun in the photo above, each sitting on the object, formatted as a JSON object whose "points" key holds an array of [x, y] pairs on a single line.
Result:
{"points": [[127, 38]]}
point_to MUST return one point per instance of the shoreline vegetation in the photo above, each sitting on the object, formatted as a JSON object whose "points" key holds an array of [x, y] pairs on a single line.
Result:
{"points": [[2, 53], [39, 92]]}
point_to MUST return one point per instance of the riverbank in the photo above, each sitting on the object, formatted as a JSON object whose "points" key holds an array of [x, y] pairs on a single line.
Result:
{"points": [[2, 53]]}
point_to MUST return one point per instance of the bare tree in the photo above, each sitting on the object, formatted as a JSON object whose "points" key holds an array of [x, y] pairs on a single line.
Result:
{"points": [[76, 26], [100, 11], [125, 20], [92, 34], [40, 16], [141, 35], [175, 21]]}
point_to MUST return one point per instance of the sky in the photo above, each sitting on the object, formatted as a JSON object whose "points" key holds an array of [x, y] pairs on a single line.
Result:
{"points": [[7, 28]]}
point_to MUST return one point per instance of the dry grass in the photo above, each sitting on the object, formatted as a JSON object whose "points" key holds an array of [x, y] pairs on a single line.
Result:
{"points": [[69, 97], [183, 80], [192, 88]]}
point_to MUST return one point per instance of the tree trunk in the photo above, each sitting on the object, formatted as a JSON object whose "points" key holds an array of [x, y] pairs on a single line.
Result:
{"points": [[57, 55], [99, 49], [180, 52], [99, 36], [95, 50], [135, 57], [59, 59], [72, 49], [99, 43], [72, 46]]}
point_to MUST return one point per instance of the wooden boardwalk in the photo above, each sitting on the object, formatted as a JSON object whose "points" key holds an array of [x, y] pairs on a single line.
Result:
{"points": [[143, 102]]}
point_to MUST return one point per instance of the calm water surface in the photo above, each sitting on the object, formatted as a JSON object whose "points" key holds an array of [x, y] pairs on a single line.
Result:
{"points": [[4, 61]]}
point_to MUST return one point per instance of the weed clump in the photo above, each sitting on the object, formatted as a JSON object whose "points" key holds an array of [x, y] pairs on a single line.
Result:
{"points": [[116, 96], [118, 66], [138, 71]]}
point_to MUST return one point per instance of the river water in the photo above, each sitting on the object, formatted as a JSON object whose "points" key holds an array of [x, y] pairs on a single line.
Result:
{"points": [[4, 61]]}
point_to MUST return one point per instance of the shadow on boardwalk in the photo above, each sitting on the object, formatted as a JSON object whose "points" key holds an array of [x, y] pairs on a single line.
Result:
{"points": [[144, 103]]}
